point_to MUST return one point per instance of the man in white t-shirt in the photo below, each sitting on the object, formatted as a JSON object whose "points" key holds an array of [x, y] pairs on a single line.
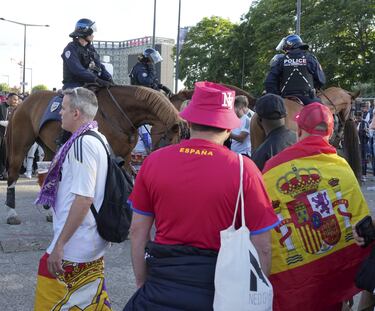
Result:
{"points": [[241, 136], [71, 273], [142, 149]]}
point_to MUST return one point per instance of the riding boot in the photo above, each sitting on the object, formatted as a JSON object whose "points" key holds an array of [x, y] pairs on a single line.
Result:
{"points": [[29, 167], [62, 138]]}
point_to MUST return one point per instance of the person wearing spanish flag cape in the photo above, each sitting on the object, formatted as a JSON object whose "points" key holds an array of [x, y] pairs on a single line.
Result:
{"points": [[317, 199]]}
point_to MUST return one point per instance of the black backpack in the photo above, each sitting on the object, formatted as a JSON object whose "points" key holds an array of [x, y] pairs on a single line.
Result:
{"points": [[114, 216]]}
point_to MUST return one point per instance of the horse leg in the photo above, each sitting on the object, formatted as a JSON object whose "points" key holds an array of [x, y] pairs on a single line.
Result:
{"points": [[18, 144], [351, 147]]}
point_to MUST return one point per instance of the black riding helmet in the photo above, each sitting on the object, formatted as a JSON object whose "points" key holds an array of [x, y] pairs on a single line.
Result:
{"points": [[84, 27]]}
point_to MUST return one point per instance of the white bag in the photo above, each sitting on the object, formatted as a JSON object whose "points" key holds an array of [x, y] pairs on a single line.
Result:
{"points": [[240, 284]]}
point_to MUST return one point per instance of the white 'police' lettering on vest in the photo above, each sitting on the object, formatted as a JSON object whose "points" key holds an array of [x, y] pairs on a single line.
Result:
{"points": [[295, 62]]}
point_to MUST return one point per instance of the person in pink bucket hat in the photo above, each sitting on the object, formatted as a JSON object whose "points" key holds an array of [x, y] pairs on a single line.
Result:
{"points": [[189, 191]]}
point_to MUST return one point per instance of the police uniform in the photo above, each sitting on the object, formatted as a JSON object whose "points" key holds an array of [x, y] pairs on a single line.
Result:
{"points": [[144, 74], [81, 64], [297, 73]]}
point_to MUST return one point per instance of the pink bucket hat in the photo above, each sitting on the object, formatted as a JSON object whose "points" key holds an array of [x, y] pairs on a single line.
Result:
{"points": [[213, 105]]}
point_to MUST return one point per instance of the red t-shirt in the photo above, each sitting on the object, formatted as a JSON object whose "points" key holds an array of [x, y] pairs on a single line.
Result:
{"points": [[191, 190]]}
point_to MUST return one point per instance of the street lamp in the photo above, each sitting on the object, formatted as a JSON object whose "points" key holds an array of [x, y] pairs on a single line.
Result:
{"points": [[31, 78], [178, 47], [298, 24], [154, 26], [24, 46]]}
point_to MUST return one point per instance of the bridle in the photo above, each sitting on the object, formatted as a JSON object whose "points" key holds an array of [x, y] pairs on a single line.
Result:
{"points": [[162, 141]]}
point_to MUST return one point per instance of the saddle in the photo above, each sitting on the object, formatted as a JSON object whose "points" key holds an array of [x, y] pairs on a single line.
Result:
{"points": [[295, 99]]}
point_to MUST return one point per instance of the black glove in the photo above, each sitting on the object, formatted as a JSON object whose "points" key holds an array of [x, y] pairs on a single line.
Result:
{"points": [[103, 83]]}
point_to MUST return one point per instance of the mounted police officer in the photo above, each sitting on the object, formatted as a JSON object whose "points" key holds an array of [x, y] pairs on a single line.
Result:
{"points": [[81, 61], [295, 73], [143, 72]]}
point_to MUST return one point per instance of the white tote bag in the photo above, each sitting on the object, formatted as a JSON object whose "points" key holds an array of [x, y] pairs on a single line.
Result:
{"points": [[240, 284]]}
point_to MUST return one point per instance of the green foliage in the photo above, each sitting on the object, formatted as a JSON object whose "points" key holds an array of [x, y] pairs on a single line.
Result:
{"points": [[4, 87], [39, 87], [205, 52], [341, 33]]}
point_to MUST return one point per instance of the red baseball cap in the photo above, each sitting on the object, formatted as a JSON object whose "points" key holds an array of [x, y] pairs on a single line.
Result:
{"points": [[313, 115], [212, 104]]}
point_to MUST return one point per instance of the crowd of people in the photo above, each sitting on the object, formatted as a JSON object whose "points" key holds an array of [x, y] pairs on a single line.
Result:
{"points": [[302, 180], [366, 131], [300, 198], [12, 100]]}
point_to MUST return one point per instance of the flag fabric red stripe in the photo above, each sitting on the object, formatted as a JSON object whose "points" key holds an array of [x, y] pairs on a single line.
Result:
{"points": [[43, 269], [297, 290], [305, 148]]}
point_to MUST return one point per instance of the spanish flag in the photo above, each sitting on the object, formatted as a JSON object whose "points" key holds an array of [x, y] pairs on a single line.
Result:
{"points": [[317, 200]]}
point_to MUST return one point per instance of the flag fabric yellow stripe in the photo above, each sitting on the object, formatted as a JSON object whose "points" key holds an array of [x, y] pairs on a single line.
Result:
{"points": [[316, 207]]}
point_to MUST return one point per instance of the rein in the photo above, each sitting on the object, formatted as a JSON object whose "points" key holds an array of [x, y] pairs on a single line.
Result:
{"points": [[164, 137], [334, 106]]}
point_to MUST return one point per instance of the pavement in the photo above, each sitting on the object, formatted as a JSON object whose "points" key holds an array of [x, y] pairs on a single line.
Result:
{"points": [[22, 246]]}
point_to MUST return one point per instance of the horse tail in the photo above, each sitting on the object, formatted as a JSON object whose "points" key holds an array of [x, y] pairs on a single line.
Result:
{"points": [[351, 147], [8, 143]]}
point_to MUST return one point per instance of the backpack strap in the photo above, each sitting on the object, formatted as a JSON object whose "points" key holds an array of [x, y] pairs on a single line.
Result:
{"points": [[92, 133]]}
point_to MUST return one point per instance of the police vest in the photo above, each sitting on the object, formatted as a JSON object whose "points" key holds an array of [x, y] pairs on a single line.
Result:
{"points": [[86, 55], [296, 79]]}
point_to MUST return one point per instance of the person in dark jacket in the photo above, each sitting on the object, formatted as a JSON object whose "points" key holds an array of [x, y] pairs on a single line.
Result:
{"points": [[6, 110], [271, 112], [81, 62], [295, 73], [143, 72]]}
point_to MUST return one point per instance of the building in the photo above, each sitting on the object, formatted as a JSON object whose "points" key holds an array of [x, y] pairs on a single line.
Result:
{"points": [[123, 56]]}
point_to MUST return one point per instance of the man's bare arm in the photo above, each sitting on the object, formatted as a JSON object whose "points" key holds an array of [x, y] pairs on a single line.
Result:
{"points": [[140, 235], [262, 243], [77, 213]]}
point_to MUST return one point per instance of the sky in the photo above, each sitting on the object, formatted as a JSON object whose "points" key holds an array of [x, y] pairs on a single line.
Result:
{"points": [[116, 20]]}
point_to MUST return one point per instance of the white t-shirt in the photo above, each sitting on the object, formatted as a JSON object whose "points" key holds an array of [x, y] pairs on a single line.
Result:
{"points": [[245, 146], [143, 132], [84, 173]]}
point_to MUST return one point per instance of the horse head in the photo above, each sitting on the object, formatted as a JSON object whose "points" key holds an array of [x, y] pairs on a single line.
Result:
{"points": [[355, 94], [178, 99], [162, 136]]}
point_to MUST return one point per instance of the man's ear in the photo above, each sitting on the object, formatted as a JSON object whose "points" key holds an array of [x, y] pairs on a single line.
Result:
{"points": [[76, 114]]}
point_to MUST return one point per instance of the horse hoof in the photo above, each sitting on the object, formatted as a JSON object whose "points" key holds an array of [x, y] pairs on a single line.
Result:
{"points": [[49, 218], [13, 220]]}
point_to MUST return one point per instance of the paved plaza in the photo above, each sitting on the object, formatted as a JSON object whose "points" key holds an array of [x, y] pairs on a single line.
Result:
{"points": [[22, 246]]}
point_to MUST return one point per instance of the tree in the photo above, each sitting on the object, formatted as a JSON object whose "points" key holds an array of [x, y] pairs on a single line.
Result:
{"points": [[4, 88], [39, 87], [340, 32], [205, 52]]}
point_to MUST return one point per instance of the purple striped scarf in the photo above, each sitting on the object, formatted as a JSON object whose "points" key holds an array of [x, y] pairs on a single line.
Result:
{"points": [[48, 193]]}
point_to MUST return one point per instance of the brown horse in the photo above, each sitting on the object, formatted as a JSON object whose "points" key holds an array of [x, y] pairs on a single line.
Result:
{"points": [[122, 109], [340, 103], [178, 98]]}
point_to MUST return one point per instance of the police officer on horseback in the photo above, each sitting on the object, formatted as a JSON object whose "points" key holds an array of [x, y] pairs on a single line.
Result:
{"points": [[295, 73], [81, 62], [143, 72]]}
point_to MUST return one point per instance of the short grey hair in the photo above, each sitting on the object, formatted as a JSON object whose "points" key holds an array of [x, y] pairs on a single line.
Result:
{"points": [[84, 100]]}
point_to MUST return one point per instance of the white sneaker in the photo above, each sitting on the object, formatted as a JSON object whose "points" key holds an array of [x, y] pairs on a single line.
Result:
{"points": [[28, 175], [363, 178]]}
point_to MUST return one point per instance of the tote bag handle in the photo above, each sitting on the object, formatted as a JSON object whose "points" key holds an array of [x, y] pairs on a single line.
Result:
{"points": [[240, 197]]}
